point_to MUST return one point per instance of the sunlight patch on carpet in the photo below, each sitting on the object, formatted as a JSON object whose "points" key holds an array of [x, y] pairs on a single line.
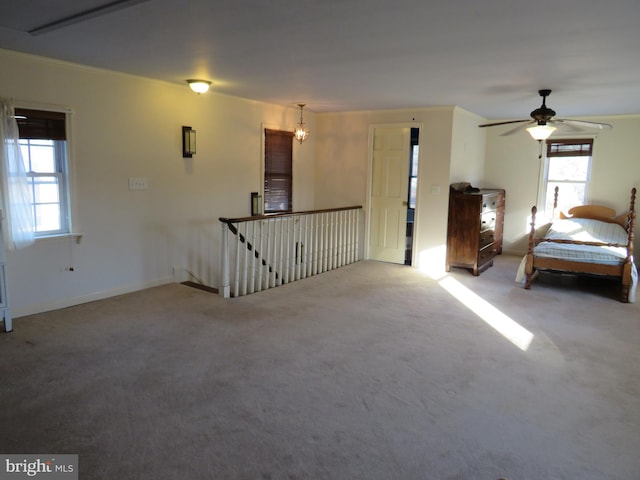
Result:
{"points": [[506, 326]]}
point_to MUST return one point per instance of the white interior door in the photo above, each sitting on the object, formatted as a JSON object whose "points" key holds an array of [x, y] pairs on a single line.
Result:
{"points": [[389, 193]]}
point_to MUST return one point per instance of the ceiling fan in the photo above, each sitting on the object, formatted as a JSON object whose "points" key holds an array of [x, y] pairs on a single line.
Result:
{"points": [[543, 118]]}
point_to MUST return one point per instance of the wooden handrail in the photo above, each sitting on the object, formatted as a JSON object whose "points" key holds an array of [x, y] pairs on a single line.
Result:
{"points": [[285, 214]]}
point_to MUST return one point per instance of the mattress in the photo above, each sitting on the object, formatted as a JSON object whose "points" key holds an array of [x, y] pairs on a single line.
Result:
{"points": [[585, 230]]}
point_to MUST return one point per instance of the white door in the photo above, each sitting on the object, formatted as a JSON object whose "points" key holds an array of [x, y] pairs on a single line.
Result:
{"points": [[389, 193]]}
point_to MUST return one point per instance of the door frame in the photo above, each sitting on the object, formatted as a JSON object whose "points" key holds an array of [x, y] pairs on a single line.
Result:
{"points": [[367, 206]]}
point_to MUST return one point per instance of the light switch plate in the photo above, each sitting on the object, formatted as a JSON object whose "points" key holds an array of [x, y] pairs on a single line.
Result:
{"points": [[137, 183]]}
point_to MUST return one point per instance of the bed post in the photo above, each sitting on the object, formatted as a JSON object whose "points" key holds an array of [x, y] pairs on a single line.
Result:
{"points": [[528, 268], [555, 201], [631, 222], [626, 272]]}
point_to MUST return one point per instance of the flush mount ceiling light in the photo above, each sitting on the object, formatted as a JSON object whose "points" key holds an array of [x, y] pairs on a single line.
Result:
{"points": [[199, 86], [301, 133], [541, 132]]}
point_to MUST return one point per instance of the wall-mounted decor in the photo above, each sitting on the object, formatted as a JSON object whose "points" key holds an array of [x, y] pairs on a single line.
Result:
{"points": [[188, 142], [256, 204]]}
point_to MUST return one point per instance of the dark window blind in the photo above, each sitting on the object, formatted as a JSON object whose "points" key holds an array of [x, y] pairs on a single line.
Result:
{"points": [[41, 124], [570, 148], [278, 170]]}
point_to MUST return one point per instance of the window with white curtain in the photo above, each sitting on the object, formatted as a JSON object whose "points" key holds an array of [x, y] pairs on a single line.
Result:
{"points": [[43, 144]]}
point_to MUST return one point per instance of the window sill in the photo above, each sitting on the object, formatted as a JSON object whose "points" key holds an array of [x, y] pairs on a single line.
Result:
{"points": [[76, 236]]}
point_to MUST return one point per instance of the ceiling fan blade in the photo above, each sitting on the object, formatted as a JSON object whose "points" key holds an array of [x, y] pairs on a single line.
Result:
{"points": [[504, 123], [583, 123], [517, 129], [565, 127]]}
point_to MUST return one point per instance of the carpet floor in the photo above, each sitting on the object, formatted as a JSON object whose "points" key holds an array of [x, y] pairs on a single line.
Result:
{"points": [[372, 371]]}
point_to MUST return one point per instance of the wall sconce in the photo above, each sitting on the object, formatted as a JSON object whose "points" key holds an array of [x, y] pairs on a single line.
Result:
{"points": [[188, 142], [199, 86], [256, 204], [301, 133]]}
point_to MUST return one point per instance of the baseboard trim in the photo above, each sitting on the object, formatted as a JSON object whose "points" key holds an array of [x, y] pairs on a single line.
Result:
{"points": [[70, 302]]}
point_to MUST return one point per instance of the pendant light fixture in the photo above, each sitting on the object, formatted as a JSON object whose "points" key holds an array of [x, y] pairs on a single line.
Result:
{"points": [[301, 133]]}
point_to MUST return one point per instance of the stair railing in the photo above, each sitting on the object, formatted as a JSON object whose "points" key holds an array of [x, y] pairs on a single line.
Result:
{"points": [[271, 250]]}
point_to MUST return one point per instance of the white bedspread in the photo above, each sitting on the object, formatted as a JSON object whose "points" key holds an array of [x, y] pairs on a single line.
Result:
{"points": [[585, 230]]}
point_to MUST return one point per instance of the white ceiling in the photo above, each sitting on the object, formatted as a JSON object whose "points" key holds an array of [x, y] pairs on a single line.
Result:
{"points": [[488, 56]]}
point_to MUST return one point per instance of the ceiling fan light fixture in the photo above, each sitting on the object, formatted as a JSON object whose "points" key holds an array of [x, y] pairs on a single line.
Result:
{"points": [[541, 132], [199, 86]]}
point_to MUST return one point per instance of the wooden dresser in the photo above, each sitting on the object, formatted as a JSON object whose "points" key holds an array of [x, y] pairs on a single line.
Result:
{"points": [[474, 233]]}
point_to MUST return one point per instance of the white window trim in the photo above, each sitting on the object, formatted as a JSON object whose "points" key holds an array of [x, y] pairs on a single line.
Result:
{"points": [[544, 172], [70, 166]]}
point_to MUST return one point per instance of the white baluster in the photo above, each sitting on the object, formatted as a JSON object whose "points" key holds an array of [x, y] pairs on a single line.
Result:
{"points": [[352, 216], [225, 289], [300, 249], [314, 242], [252, 258], [269, 255], [260, 254], [236, 279], [325, 241], [347, 237], [295, 247], [304, 247], [281, 260], [286, 256], [244, 260], [334, 240], [357, 239], [340, 239]]}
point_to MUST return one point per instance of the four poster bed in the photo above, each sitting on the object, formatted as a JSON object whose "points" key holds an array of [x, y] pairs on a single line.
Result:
{"points": [[589, 239]]}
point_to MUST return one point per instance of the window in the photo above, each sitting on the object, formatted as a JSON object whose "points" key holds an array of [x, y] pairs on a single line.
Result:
{"points": [[43, 143], [567, 166], [278, 171]]}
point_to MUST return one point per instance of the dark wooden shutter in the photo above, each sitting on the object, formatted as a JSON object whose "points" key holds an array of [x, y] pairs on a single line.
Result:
{"points": [[278, 170], [41, 124]]}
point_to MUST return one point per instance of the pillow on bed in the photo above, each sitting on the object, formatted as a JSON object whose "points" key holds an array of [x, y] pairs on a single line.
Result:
{"points": [[587, 230]]}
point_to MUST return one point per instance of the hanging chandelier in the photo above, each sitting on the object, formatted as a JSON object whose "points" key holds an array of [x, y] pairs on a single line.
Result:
{"points": [[301, 133]]}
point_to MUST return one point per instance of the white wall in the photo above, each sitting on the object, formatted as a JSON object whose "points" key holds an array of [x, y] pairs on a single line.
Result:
{"points": [[343, 155], [512, 163], [125, 126], [468, 145]]}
